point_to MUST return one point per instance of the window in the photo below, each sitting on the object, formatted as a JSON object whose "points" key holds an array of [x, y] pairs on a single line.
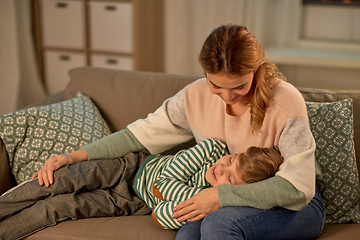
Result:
{"points": [[333, 2], [329, 22]]}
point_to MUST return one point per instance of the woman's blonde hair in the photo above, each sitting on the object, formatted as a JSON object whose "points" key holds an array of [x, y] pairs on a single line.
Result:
{"points": [[233, 50], [258, 164]]}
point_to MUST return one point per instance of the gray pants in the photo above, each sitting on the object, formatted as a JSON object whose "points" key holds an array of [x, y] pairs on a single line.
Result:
{"points": [[101, 188]]}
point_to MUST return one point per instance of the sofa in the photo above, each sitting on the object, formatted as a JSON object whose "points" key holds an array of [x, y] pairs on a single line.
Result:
{"points": [[124, 96]]}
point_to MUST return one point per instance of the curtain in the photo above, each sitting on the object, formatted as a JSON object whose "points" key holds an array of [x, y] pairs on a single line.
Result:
{"points": [[188, 23], [20, 84]]}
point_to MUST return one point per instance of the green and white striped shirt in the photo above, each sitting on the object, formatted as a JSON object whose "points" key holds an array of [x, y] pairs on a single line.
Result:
{"points": [[179, 177]]}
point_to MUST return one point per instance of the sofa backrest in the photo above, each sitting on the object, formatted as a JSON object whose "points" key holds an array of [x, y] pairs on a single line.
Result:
{"points": [[125, 96]]}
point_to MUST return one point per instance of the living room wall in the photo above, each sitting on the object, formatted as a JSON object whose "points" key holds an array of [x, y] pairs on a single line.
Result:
{"points": [[279, 24], [276, 23]]}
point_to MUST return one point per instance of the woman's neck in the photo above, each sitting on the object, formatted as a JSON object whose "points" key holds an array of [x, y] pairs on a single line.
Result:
{"points": [[239, 108]]}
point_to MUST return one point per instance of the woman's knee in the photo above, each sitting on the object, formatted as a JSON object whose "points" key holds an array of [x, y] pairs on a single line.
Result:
{"points": [[222, 224], [190, 230], [251, 223]]}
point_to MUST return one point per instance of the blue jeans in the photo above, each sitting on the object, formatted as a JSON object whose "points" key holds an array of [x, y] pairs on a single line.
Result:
{"points": [[251, 223]]}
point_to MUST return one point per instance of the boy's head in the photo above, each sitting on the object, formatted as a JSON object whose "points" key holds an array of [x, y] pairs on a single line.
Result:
{"points": [[254, 165]]}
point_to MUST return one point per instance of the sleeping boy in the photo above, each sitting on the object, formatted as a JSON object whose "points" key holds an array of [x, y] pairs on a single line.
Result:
{"points": [[165, 181], [100, 188]]}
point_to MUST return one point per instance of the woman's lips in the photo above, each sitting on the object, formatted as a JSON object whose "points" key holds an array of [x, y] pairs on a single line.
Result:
{"points": [[232, 100]]}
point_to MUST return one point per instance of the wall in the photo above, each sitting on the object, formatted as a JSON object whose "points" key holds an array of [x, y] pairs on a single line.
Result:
{"points": [[337, 29], [20, 84], [330, 29]]}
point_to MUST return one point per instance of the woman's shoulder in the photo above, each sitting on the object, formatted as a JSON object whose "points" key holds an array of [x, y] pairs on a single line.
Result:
{"points": [[290, 99], [285, 91], [198, 91], [284, 88], [199, 83]]}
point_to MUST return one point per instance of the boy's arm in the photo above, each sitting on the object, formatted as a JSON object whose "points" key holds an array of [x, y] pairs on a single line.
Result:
{"points": [[162, 215], [172, 183]]}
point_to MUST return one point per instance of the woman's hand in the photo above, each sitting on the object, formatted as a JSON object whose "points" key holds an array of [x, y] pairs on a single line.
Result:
{"points": [[197, 207], [46, 174]]}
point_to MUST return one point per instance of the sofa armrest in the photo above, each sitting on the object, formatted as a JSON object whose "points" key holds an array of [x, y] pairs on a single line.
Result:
{"points": [[7, 179]]}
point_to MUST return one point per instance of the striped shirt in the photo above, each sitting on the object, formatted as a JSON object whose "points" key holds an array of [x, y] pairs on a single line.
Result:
{"points": [[179, 177]]}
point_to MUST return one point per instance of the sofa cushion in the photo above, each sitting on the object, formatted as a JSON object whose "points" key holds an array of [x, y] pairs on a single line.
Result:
{"points": [[332, 128], [32, 135], [340, 232], [321, 95], [124, 227]]}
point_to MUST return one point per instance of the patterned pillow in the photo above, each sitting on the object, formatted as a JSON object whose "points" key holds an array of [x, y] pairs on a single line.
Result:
{"points": [[332, 127], [33, 135]]}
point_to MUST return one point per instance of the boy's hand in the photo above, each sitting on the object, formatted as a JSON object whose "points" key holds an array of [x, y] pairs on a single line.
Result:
{"points": [[198, 206]]}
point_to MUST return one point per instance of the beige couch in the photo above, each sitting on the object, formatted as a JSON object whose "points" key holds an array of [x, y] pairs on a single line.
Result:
{"points": [[124, 96]]}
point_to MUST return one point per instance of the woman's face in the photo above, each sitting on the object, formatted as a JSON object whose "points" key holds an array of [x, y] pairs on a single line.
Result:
{"points": [[231, 89]]}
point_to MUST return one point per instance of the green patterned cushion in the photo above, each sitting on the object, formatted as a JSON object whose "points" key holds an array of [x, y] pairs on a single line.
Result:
{"points": [[33, 135], [332, 127]]}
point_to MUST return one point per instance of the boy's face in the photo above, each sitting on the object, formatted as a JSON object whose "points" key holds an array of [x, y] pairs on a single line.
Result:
{"points": [[224, 171]]}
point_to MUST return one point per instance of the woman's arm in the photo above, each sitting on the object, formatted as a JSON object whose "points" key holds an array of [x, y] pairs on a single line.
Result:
{"points": [[292, 187], [115, 145], [266, 194], [46, 174], [165, 128], [197, 207]]}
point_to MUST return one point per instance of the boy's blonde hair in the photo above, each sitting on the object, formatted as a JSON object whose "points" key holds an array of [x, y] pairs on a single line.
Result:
{"points": [[258, 163]]}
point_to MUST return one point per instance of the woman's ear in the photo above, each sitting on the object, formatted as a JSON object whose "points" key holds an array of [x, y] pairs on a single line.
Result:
{"points": [[205, 73]]}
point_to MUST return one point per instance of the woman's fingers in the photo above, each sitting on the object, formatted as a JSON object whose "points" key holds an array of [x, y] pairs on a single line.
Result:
{"points": [[46, 174], [183, 211], [191, 216], [35, 175], [198, 206]]}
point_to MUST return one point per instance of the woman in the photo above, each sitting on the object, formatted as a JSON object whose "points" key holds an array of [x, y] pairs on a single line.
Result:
{"points": [[243, 102]]}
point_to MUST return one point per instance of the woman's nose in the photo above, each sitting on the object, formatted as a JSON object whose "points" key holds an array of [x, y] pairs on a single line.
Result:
{"points": [[227, 95]]}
